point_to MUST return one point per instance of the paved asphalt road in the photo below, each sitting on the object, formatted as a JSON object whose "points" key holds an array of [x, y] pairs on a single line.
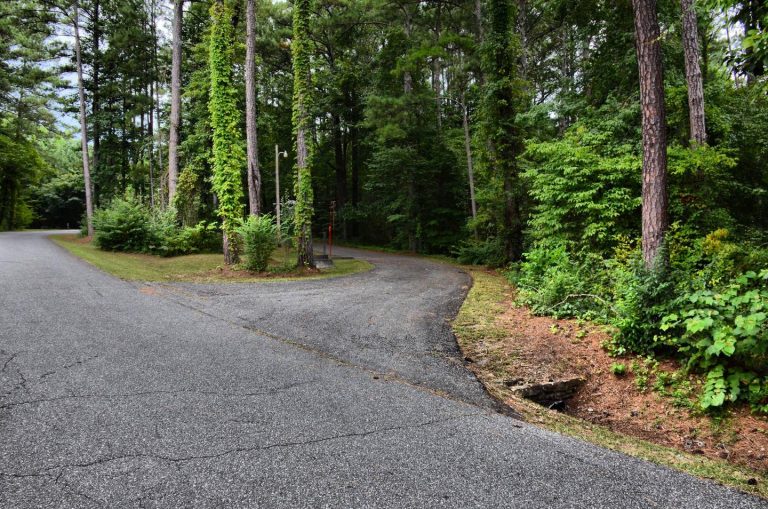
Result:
{"points": [[336, 393]]}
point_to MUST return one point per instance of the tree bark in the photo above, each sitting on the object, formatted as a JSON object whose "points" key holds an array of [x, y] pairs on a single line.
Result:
{"points": [[83, 125], [407, 78], [479, 19], [654, 188], [437, 69], [522, 30], [175, 121], [252, 143], [96, 99], [693, 74]]}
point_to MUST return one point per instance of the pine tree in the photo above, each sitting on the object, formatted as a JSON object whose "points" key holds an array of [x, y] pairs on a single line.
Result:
{"points": [[173, 132], [693, 73], [254, 174], [83, 125], [655, 201]]}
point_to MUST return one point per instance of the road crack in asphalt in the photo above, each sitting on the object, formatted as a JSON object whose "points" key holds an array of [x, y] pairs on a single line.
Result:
{"points": [[9, 360], [47, 472], [69, 366], [60, 481], [21, 384], [266, 392]]}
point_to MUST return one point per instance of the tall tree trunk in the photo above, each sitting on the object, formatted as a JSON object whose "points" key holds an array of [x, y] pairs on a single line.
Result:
{"points": [[437, 69], [151, 147], [159, 129], [693, 73], [173, 131], [501, 65], [83, 125], [151, 94], [522, 30], [302, 122], [479, 19], [96, 99], [407, 77], [654, 193], [254, 174]]}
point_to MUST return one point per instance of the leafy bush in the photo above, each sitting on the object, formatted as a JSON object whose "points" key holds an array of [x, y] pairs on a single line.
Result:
{"points": [[585, 187], [488, 252], [642, 299], [163, 225], [552, 281], [259, 236], [126, 225], [169, 239], [725, 333], [122, 226]]}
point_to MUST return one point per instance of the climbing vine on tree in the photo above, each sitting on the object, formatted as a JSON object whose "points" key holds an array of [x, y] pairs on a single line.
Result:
{"points": [[502, 100], [228, 146], [302, 87]]}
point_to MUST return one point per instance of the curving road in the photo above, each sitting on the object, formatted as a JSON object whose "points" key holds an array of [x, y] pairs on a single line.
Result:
{"points": [[336, 393]]}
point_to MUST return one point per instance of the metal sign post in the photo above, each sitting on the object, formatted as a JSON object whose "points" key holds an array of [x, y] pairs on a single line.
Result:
{"points": [[330, 230]]}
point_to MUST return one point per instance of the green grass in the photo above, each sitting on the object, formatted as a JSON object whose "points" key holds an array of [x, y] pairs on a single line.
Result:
{"points": [[476, 321], [201, 268]]}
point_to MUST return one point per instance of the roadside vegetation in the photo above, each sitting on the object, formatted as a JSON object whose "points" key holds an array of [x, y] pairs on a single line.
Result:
{"points": [[199, 268], [646, 409]]}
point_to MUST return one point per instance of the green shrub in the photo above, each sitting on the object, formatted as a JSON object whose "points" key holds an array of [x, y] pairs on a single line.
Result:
{"points": [[163, 224], [122, 226], [642, 298], [585, 188], [725, 333], [169, 239], [552, 281], [259, 236], [488, 252], [201, 238]]}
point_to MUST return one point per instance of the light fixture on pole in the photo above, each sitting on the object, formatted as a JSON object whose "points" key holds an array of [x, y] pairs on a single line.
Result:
{"points": [[284, 153]]}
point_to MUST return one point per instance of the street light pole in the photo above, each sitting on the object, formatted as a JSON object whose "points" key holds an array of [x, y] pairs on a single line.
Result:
{"points": [[277, 188]]}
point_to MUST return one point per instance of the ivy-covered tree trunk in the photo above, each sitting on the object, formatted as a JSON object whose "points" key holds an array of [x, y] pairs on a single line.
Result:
{"points": [[302, 86], [83, 125], [654, 189], [175, 120], [693, 73], [254, 174], [504, 91], [228, 150]]}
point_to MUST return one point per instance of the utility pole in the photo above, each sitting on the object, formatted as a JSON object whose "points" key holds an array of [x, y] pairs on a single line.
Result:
{"points": [[277, 188]]}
